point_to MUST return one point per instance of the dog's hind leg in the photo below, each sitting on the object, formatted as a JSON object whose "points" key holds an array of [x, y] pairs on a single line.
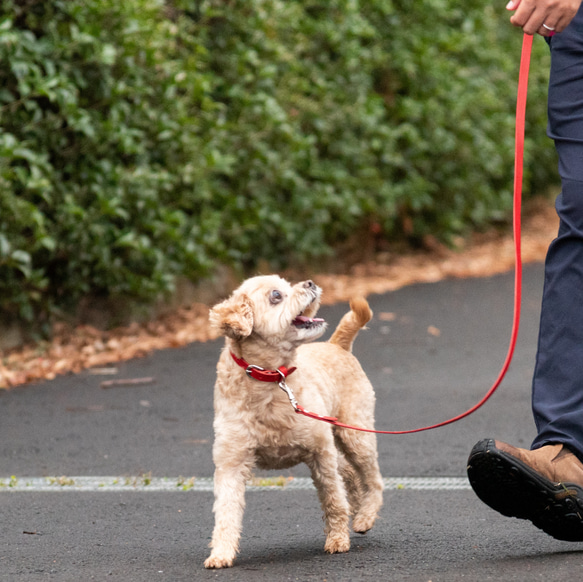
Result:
{"points": [[360, 451], [324, 468], [351, 483]]}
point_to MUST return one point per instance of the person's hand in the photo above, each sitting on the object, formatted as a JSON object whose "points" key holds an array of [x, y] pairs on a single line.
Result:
{"points": [[543, 16]]}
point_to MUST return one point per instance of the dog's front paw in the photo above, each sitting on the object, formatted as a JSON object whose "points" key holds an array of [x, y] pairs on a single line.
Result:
{"points": [[214, 561], [337, 544]]}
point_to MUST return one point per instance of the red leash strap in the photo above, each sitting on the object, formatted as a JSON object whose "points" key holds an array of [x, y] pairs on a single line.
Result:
{"points": [[518, 173]]}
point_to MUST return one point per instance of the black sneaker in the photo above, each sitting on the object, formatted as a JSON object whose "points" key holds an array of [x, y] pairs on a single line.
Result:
{"points": [[535, 485]]}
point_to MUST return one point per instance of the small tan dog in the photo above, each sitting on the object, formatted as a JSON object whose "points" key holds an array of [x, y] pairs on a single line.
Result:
{"points": [[268, 322]]}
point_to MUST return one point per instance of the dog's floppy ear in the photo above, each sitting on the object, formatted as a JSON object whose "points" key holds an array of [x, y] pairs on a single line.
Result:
{"points": [[233, 317]]}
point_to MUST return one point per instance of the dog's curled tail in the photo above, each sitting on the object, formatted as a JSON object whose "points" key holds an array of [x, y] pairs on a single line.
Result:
{"points": [[358, 316]]}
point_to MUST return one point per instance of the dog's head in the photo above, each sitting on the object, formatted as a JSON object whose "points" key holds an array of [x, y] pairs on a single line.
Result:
{"points": [[269, 308]]}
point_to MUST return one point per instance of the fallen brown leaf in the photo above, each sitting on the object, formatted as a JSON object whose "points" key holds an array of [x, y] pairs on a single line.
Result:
{"points": [[434, 331], [386, 316], [126, 382]]}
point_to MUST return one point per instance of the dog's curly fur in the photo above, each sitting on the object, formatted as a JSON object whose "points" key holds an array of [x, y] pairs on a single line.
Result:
{"points": [[268, 323]]}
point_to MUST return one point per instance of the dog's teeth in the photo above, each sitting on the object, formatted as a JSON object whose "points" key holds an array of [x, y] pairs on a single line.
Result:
{"points": [[302, 319]]}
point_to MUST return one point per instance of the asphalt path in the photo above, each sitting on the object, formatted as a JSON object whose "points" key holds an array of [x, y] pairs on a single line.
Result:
{"points": [[431, 352]]}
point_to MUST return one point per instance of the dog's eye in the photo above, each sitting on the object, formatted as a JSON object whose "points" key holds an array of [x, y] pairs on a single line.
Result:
{"points": [[275, 297]]}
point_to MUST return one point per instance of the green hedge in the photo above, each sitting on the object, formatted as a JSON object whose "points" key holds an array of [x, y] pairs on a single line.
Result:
{"points": [[141, 140]]}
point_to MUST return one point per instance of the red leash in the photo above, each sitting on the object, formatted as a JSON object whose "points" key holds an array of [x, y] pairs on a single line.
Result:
{"points": [[279, 376]]}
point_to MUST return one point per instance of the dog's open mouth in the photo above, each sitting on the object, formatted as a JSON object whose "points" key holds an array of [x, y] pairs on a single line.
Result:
{"points": [[303, 322]]}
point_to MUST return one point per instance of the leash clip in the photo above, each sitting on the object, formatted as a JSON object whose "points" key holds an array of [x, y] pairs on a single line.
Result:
{"points": [[288, 391]]}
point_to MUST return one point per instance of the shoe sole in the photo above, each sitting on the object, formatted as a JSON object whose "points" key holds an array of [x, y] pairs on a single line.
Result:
{"points": [[513, 489]]}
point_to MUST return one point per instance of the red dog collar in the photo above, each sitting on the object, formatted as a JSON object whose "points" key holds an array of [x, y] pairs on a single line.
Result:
{"points": [[261, 374]]}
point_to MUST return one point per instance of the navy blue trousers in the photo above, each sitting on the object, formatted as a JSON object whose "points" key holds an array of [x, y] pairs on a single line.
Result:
{"points": [[557, 394]]}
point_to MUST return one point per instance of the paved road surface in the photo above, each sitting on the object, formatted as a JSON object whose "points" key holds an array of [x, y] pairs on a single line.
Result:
{"points": [[431, 352]]}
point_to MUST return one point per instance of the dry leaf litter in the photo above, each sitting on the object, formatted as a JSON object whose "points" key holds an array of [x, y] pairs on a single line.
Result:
{"points": [[76, 349]]}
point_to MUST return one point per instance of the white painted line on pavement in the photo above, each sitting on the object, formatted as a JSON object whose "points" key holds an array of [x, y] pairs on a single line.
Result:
{"points": [[147, 483]]}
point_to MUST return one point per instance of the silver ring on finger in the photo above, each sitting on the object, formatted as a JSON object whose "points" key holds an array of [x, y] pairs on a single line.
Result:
{"points": [[550, 28]]}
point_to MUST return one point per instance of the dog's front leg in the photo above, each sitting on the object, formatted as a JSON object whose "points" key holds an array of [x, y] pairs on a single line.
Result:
{"points": [[332, 494], [229, 486]]}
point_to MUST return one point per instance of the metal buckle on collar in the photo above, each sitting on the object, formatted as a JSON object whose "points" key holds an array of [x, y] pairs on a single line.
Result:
{"points": [[252, 367]]}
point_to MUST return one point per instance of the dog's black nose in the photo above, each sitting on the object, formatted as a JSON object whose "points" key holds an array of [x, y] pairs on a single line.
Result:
{"points": [[309, 285]]}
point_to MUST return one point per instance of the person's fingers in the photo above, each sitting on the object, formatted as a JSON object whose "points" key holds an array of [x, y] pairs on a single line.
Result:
{"points": [[547, 29], [562, 19], [528, 16], [542, 16]]}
